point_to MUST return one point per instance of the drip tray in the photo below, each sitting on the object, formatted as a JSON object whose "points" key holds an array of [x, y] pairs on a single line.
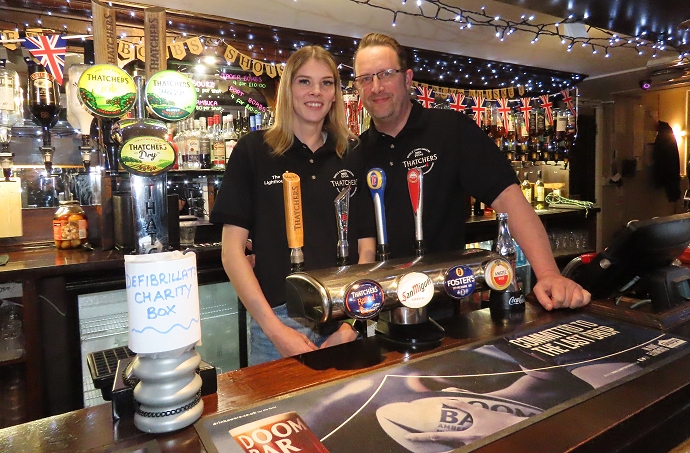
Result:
{"points": [[102, 366]]}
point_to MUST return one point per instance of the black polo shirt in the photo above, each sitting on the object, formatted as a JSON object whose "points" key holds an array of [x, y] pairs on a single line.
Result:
{"points": [[457, 159], [251, 197]]}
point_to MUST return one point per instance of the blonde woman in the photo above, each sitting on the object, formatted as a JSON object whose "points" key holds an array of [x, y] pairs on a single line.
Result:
{"points": [[309, 138]]}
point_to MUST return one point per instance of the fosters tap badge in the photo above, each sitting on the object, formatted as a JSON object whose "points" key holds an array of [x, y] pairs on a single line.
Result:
{"points": [[459, 282], [375, 179], [363, 299]]}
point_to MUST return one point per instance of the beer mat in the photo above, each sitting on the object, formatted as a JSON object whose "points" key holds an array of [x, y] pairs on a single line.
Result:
{"points": [[437, 403]]}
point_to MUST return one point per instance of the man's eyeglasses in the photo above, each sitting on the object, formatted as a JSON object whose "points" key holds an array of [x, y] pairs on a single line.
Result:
{"points": [[384, 76]]}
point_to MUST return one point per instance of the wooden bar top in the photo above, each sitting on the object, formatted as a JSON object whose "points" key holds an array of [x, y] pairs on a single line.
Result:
{"points": [[632, 413]]}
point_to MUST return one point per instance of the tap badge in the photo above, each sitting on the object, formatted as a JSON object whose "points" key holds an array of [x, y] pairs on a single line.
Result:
{"points": [[363, 299], [375, 179], [415, 289], [498, 274], [459, 282]]}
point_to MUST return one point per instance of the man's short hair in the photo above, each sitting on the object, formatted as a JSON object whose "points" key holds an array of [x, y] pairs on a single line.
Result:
{"points": [[379, 39]]}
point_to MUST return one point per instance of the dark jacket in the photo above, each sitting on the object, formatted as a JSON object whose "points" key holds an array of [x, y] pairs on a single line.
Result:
{"points": [[666, 169]]}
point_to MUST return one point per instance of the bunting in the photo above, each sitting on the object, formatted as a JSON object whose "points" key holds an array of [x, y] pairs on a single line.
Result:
{"points": [[548, 108], [525, 109], [504, 110], [457, 102], [568, 99], [425, 96], [50, 52], [478, 109]]}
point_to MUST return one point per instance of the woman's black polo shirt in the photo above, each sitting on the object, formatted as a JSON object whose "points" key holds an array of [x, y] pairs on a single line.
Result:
{"points": [[457, 159], [251, 197]]}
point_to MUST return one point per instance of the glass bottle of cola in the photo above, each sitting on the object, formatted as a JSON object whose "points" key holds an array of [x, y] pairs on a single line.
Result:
{"points": [[503, 304]]}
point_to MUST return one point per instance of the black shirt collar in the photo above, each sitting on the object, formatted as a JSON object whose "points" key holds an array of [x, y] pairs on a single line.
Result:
{"points": [[414, 122]]}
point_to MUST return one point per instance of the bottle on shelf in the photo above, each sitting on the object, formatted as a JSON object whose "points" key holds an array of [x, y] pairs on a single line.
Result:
{"points": [[180, 142], [171, 140], [217, 144], [193, 160], [230, 137], [44, 105], [10, 112], [204, 144], [526, 187], [539, 197]]}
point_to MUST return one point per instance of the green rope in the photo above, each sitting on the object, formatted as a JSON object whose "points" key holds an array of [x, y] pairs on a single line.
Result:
{"points": [[553, 199]]}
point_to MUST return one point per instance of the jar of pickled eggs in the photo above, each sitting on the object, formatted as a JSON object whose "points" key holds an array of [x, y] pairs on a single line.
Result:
{"points": [[70, 225]]}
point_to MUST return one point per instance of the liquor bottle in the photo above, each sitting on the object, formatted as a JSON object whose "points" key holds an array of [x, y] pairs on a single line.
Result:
{"points": [[561, 122], [179, 140], [218, 144], [252, 123], [540, 201], [245, 124], [230, 137], [44, 96], [511, 302], [511, 137], [498, 132], [10, 107], [526, 187], [171, 140], [204, 144], [193, 146], [487, 121], [44, 105]]}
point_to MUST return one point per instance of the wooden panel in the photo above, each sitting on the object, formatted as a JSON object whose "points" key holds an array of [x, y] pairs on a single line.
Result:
{"points": [[10, 209], [154, 39], [104, 33]]}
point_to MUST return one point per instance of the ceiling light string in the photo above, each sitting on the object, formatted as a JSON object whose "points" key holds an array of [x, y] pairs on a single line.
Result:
{"points": [[503, 27]]}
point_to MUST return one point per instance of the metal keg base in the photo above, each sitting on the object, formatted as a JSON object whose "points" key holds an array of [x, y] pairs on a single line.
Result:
{"points": [[411, 337]]}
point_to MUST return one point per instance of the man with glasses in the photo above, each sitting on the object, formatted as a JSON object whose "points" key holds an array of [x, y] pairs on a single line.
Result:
{"points": [[456, 158]]}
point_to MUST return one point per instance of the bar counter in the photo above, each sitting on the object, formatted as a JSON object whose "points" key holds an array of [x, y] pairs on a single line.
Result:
{"points": [[649, 413]]}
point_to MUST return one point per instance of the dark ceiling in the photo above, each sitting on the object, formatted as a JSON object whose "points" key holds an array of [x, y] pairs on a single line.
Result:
{"points": [[274, 44], [660, 19]]}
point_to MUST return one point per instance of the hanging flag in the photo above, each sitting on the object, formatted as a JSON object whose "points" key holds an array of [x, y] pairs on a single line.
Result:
{"points": [[425, 96], [548, 108], [525, 109], [50, 51], [568, 99], [478, 109], [504, 110], [457, 102]]}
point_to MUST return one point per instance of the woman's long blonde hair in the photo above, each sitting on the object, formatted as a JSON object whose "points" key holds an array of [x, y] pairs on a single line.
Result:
{"points": [[281, 136]]}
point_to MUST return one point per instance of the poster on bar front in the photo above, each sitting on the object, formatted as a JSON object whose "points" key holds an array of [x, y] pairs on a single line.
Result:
{"points": [[455, 400]]}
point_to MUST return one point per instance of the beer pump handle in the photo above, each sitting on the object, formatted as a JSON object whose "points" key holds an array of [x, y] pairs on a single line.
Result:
{"points": [[342, 213], [376, 180], [415, 187], [294, 226]]}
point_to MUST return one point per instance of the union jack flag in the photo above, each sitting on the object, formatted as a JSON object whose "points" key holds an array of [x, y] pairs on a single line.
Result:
{"points": [[548, 108], [425, 96], [504, 110], [525, 109], [568, 99], [50, 51], [457, 102], [478, 109]]}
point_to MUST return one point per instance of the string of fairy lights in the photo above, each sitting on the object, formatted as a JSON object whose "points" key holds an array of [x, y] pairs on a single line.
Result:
{"points": [[437, 10]]}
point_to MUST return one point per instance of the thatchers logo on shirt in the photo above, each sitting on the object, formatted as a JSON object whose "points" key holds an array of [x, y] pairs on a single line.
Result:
{"points": [[420, 158], [343, 178]]}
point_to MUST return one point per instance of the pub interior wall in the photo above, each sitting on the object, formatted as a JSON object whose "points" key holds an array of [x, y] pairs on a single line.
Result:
{"points": [[629, 129]]}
